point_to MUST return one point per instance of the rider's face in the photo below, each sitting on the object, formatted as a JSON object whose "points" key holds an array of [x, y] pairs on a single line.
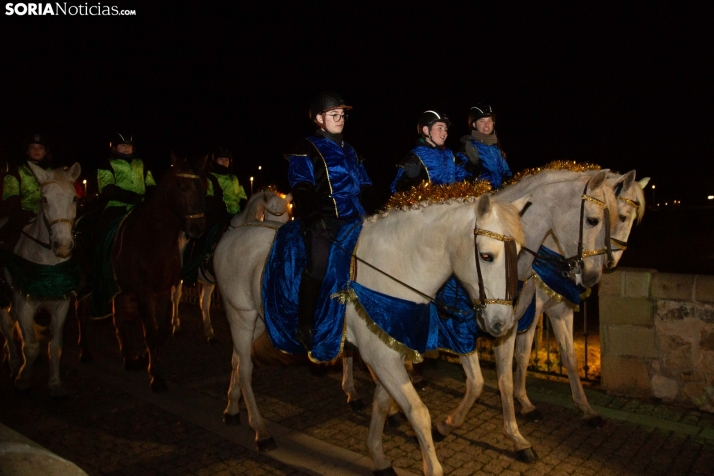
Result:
{"points": [[485, 125], [125, 148], [333, 121], [438, 134], [36, 152], [223, 161]]}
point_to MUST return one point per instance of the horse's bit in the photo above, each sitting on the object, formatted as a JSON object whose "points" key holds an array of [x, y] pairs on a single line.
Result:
{"points": [[197, 177], [49, 224]]}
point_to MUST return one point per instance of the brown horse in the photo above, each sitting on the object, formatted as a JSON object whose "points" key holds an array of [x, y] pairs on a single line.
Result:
{"points": [[147, 263]]}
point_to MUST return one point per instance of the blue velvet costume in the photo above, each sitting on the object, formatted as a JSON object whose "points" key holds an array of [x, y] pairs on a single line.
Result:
{"points": [[493, 166], [433, 164]]}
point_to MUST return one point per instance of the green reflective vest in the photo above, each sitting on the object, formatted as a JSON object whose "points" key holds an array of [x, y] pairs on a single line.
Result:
{"points": [[28, 189], [232, 191], [125, 175]]}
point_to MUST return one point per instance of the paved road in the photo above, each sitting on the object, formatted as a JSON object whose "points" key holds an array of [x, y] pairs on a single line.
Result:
{"points": [[113, 424]]}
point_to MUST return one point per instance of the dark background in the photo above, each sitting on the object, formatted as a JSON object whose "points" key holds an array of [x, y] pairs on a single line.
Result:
{"points": [[622, 85]]}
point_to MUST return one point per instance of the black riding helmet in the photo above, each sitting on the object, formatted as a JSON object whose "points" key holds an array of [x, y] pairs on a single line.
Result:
{"points": [[429, 118], [479, 111], [222, 152], [119, 139], [38, 139], [326, 101]]}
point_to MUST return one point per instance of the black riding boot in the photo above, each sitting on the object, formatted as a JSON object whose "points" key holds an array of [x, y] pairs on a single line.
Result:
{"points": [[307, 303]]}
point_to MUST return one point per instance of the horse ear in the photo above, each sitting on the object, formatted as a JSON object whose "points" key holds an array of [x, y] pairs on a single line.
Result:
{"points": [[40, 174], [521, 204], [260, 211], [629, 178], [484, 205], [74, 172], [598, 179], [288, 198], [643, 183]]}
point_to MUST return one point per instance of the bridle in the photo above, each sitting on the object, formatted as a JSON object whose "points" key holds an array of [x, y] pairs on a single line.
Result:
{"points": [[50, 224], [622, 245], [574, 263], [197, 177]]}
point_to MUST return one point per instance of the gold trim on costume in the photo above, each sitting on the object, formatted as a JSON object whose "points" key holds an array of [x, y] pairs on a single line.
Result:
{"points": [[327, 174], [272, 227], [552, 294], [428, 176]]}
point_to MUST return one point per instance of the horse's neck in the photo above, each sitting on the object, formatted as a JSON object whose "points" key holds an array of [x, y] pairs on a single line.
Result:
{"points": [[158, 216], [415, 247], [32, 251]]}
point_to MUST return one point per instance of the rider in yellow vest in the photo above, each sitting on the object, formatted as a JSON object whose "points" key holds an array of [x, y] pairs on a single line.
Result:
{"points": [[21, 192], [122, 180], [224, 191]]}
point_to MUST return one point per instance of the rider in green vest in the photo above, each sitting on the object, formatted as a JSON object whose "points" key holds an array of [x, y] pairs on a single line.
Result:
{"points": [[122, 181], [224, 192], [21, 192]]}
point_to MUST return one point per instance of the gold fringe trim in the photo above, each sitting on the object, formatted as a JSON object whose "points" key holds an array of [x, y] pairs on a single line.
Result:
{"points": [[349, 296], [552, 294], [427, 193], [555, 165]]}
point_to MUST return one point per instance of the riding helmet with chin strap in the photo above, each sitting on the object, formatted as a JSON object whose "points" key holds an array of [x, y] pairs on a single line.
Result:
{"points": [[429, 118], [40, 140], [120, 139], [479, 111], [222, 152], [326, 101]]}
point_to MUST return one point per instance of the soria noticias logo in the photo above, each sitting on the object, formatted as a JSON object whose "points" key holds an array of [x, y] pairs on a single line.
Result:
{"points": [[64, 9]]}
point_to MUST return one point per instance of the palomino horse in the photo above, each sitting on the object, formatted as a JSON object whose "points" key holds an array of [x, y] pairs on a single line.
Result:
{"points": [[147, 262], [422, 248], [263, 205], [46, 241], [631, 207]]}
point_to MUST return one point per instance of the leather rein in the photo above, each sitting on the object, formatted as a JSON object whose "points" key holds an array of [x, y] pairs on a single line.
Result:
{"points": [[48, 225], [196, 177]]}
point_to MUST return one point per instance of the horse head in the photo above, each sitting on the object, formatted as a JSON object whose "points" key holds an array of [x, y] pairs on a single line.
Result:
{"points": [[630, 207], [276, 207], [498, 237], [58, 206], [188, 185]]}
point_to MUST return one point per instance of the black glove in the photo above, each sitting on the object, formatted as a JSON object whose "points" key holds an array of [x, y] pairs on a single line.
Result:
{"points": [[113, 192], [368, 199]]}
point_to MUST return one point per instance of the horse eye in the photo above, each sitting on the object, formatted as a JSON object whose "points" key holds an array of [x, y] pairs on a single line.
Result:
{"points": [[488, 257], [44, 199], [593, 221], [623, 218]]}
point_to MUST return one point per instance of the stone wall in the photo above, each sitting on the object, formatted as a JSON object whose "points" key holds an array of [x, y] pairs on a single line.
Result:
{"points": [[657, 335]]}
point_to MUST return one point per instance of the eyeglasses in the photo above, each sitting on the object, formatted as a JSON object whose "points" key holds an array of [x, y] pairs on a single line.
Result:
{"points": [[337, 117]]}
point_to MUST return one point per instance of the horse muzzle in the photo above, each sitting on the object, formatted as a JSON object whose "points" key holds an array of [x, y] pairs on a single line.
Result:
{"points": [[194, 225]]}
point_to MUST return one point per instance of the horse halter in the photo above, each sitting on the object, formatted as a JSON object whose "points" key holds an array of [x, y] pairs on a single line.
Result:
{"points": [[49, 224], [622, 245], [511, 270], [197, 177]]}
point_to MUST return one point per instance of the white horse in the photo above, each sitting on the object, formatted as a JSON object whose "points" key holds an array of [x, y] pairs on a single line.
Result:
{"points": [[263, 205], [422, 248], [48, 240], [630, 207]]}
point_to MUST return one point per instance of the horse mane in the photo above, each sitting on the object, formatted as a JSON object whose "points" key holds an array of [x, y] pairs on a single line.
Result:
{"points": [[641, 199], [569, 165], [511, 219]]}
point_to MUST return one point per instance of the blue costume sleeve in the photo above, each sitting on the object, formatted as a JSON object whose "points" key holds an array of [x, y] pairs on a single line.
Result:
{"points": [[300, 170], [363, 177], [460, 172], [493, 166], [393, 187]]}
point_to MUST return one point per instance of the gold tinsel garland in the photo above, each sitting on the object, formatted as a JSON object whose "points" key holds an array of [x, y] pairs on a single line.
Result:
{"points": [[427, 193], [570, 165]]}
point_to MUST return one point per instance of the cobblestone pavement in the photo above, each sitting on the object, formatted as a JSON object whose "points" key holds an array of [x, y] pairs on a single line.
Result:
{"points": [[113, 424]]}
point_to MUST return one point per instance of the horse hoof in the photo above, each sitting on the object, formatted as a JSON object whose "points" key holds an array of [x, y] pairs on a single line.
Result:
{"points": [[527, 455], [534, 415], [436, 435], [595, 422], [395, 420], [86, 357], [231, 420], [212, 340], [356, 405], [158, 385], [384, 472], [266, 445]]}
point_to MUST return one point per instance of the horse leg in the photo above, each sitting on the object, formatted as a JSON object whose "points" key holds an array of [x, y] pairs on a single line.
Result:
{"points": [[156, 318], [205, 301], [176, 292], [348, 381], [524, 344], [503, 349], [30, 347], [122, 322], [243, 330], [59, 315], [561, 320], [7, 327], [474, 387], [380, 408], [81, 313]]}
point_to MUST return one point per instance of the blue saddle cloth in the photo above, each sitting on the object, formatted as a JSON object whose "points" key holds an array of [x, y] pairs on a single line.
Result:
{"points": [[547, 266]]}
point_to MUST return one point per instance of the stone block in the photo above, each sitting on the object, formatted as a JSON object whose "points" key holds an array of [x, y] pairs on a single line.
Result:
{"points": [[637, 283], [622, 311], [610, 284], [676, 353], [704, 288], [625, 376], [673, 286], [665, 388], [706, 365], [706, 340], [633, 341], [700, 394]]}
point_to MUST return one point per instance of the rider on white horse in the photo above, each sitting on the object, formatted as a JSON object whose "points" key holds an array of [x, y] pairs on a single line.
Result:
{"points": [[482, 147], [430, 160], [318, 166]]}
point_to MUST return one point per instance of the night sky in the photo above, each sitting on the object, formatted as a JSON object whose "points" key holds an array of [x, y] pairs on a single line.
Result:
{"points": [[625, 86]]}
